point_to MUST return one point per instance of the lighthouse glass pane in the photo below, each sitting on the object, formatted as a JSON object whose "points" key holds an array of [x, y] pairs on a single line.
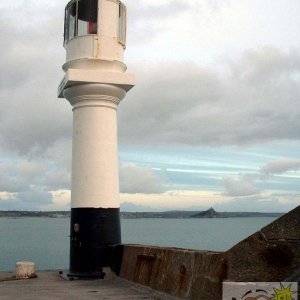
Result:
{"points": [[87, 17], [70, 21], [122, 24], [80, 18], [72, 27]]}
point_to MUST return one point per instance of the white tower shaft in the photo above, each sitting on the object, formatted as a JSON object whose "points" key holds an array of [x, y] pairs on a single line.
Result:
{"points": [[95, 155]]}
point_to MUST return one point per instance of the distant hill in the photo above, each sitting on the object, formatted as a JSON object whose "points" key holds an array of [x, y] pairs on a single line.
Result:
{"points": [[172, 214], [180, 214], [35, 214], [211, 213]]}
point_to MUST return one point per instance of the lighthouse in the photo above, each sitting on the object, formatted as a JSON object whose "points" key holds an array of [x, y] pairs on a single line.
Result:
{"points": [[94, 83]]}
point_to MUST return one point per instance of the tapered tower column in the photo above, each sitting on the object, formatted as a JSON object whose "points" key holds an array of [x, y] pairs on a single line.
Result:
{"points": [[95, 82]]}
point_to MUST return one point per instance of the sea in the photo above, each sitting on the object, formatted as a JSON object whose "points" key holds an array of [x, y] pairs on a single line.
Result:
{"points": [[45, 241]]}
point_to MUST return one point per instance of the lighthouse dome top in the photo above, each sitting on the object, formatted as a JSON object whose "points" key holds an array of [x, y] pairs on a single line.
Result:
{"points": [[95, 29]]}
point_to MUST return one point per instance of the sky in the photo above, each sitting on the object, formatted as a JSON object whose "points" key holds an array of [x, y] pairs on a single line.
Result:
{"points": [[213, 121]]}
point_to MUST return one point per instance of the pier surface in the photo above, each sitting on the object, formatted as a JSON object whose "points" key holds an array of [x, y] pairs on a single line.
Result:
{"points": [[49, 285]]}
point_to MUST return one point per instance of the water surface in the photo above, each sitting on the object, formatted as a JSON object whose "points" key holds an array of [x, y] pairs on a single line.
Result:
{"points": [[45, 241]]}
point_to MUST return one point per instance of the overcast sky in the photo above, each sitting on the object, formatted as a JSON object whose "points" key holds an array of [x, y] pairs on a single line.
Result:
{"points": [[214, 119]]}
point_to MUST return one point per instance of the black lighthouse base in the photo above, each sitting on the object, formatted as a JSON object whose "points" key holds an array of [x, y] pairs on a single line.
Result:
{"points": [[95, 242]]}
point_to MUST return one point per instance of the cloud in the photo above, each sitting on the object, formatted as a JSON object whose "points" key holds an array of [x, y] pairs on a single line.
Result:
{"points": [[128, 206], [266, 201], [24, 175], [173, 103], [176, 199], [4, 196], [178, 103], [245, 184], [135, 179], [146, 18], [288, 199], [255, 100], [280, 166], [239, 188], [61, 200], [184, 103], [32, 119], [33, 199]]}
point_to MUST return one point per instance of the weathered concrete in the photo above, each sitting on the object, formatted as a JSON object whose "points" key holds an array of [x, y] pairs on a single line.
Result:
{"points": [[271, 254], [48, 285], [184, 273], [25, 269]]}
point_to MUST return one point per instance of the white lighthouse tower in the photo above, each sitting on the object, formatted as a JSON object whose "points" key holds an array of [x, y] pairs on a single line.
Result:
{"points": [[94, 83]]}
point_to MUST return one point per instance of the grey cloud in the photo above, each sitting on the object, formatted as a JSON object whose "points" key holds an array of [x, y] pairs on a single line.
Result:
{"points": [[17, 177], [26, 175], [29, 200], [33, 126], [30, 44], [34, 197], [60, 179], [164, 105], [31, 117], [179, 103], [187, 104], [267, 66]]}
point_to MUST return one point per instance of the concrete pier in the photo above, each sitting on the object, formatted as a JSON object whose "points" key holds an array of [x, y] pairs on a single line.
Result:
{"points": [[49, 285]]}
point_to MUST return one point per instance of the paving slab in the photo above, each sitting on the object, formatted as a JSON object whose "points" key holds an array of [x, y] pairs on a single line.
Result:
{"points": [[49, 285]]}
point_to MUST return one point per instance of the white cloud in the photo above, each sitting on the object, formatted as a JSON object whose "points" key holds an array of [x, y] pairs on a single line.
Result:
{"points": [[61, 200], [288, 199], [135, 179], [245, 184], [5, 196], [265, 202], [237, 188], [176, 199], [280, 166]]}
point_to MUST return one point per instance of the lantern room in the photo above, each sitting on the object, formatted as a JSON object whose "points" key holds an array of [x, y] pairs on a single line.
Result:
{"points": [[95, 29], [80, 18]]}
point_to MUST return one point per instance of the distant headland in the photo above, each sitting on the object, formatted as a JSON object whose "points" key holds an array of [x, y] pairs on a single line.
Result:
{"points": [[172, 214]]}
